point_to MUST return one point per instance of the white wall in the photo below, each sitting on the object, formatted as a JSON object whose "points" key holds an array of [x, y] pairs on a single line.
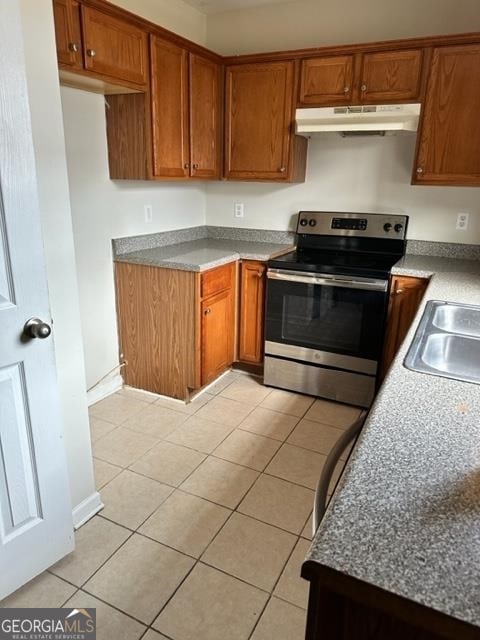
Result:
{"points": [[310, 23], [352, 174], [103, 209], [176, 15], [44, 97]]}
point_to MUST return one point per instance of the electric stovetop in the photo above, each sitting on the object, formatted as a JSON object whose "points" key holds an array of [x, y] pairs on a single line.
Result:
{"points": [[367, 265]]}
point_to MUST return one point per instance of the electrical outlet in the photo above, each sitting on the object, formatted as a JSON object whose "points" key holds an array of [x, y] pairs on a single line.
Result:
{"points": [[238, 210], [148, 212], [462, 221]]}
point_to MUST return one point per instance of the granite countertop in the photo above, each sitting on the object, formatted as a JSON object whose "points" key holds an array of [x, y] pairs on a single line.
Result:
{"points": [[205, 253], [406, 515]]}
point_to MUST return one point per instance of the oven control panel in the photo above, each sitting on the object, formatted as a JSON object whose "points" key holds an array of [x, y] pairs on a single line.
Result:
{"points": [[368, 225], [352, 224]]}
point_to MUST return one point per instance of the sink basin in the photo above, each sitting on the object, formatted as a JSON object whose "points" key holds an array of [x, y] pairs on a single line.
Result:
{"points": [[455, 355], [457, 319], [447, 342]]}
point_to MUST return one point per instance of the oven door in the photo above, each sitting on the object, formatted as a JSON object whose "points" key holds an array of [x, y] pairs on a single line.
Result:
{"points": [[334, 321]]}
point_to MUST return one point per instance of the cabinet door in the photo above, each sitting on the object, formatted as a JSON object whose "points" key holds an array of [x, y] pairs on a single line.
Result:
{"points": [[217, 335], [326, 81], [204, 117], [252, 307], [449, 137], [405, 296], [391, 76], [258, 120], [114, 47], [169, 109], [66, 14]]}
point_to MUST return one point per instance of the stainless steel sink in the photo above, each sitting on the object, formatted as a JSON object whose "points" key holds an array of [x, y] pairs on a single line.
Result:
{"points": [[456, 318], [447, 342]]}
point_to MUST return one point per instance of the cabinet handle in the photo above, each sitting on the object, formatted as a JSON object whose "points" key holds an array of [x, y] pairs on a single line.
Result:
{"points": [[363, 87], [419, 170], [195, 165], [283, 169], [207, 311], [186, 165], [73, 46], [91, 53], [346, 90], [259, 274], [399, 291]]}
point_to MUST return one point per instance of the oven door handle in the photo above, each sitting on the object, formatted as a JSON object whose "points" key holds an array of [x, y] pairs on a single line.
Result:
{"points": [[367, 285]]}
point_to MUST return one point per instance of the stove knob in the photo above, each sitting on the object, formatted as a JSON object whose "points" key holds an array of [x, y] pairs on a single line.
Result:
{"points": [[303, 222], [387, 226], [312, 222], [398, 227]]}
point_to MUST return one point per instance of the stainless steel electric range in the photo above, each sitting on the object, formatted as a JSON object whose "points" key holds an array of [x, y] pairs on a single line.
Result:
{"points": [[327, 302]]}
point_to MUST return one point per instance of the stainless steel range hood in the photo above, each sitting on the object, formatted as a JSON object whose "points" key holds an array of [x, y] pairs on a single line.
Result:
{"points": [[391, 118]]}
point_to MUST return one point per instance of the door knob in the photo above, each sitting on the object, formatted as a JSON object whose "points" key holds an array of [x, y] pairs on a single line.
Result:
{"points": [[36, 328]]}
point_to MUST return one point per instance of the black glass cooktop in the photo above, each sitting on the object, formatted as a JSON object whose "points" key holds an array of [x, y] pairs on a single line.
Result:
{"points": [[368, 265]]}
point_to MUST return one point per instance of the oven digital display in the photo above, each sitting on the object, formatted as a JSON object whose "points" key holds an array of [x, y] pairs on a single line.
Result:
{"points": [[350, 224]]}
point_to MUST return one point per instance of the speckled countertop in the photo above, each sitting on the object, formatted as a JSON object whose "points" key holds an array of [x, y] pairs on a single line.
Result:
{"points": [[406, 515], [203, 254]]}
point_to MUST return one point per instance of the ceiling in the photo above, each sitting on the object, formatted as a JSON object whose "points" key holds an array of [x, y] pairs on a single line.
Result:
{"points": [[217, 6]]}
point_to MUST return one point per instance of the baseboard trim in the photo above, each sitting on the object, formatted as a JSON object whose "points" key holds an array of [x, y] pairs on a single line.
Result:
{"points": [[87, 509], [104, 389]]}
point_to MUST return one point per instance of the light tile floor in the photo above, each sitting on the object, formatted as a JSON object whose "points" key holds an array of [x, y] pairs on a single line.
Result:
{"points": [[207, 515]]}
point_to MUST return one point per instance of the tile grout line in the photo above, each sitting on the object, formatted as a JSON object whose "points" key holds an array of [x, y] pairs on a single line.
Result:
{"points": [[199, 560]]}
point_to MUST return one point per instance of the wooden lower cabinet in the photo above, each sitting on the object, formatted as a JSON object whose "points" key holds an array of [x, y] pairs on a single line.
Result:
{"points": [[406, 293], [217, 335], [341, 607], [176, 328], [157, 321], [252, 310], [217, 288]]}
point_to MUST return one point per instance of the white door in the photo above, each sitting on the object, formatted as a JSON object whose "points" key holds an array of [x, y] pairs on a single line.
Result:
{"points": [[35, 511]]}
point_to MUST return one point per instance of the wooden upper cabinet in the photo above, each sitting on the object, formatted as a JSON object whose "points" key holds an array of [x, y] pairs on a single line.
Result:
{"points": [[169, 84], [449, 136], [114, 47], [66, 14], [326, 81], [205, 117], [252, 310], [388, 76], [406, 293], [259, 122], [368, 78]]}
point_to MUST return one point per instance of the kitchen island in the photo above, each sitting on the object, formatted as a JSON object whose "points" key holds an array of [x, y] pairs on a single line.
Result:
{"points": [[400, 540]]}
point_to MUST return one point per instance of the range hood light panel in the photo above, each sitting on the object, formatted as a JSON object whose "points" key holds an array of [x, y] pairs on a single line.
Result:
{"points": [[363, 118]]}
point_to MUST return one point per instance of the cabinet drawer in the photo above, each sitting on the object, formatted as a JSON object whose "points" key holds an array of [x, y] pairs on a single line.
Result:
{"points": [[217, 280]]}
